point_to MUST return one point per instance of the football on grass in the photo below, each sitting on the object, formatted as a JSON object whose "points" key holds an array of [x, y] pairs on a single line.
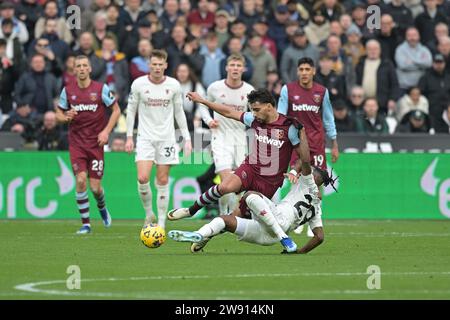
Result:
{"points": [[153, 235]]}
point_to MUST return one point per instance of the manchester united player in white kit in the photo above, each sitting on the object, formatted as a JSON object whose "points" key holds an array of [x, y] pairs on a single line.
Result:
{"points": [[158, 100], [229, 143]]}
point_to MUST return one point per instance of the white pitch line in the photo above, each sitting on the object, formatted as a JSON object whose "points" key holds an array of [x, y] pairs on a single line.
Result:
{"points": [[32, 286]]}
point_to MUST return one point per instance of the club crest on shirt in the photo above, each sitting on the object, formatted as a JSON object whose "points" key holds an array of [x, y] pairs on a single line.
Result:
{"points": [[278, 133], [242, 98], [93, 96], [167, 91], [73, 97], [316, 98], [296, 97]]}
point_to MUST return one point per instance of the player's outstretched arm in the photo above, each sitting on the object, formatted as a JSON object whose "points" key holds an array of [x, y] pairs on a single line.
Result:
{"points": [[314, 242], [219, 108]]}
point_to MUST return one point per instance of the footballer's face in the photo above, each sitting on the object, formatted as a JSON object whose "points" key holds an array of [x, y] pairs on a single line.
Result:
{"points": [[157, 67], [305, 74], [82, 68], [235, 69], [261, 111]]}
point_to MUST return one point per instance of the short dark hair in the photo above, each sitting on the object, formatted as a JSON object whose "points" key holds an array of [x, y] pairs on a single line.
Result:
{"points": [[261, 96], [305, 60]]}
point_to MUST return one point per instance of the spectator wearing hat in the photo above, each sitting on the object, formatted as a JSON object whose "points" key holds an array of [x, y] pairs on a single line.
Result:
{"points": [[318, 28], [202, 16], [51, 11], [435, 85], [427, 20], [401, 14], [388, 37], [412, 59], [299, 48], [378, 78], [8, 76], [222, 20], [412, 100], [248, 13], [156, 6], [261, 59], [414, 122], [343, 118], [354, 48], [13, 48], [7, 11], [443, 123], [277, 28], [329, 79], [371, 121], [261, 27]]}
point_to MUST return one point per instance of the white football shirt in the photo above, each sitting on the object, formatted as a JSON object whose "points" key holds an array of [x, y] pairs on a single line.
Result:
{"points": [[236, 98], [157, 105]]}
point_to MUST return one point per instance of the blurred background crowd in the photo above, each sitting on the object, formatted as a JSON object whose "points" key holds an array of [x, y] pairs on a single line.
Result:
{"points": [[388, 79]]}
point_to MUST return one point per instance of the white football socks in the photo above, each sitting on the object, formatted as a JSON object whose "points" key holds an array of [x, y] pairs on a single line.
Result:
{"points": [[145, 193], [227, 203], [262, 210], [162, 202], [213, 228]]}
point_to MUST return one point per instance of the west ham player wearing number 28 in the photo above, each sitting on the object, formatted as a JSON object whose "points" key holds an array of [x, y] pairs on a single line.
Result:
{"points": [[83, 106]]}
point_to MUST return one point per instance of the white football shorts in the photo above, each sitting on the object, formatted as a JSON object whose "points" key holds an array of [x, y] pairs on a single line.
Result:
{"points": [[161, 152]]}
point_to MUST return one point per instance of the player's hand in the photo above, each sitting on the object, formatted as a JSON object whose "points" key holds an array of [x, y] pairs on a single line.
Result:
{"points": [[213, 124], [187, 148], [194, 97], [129, 145], [292, 178], [334, 153], [70, 114], [103, 138]]}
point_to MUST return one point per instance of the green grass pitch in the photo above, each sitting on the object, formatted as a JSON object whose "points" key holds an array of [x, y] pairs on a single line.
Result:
{"points": [[413, 257]]}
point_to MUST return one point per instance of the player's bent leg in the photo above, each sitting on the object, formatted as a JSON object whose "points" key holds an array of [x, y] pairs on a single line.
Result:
{"points": [[261, 209], [226, 199], [99, 195]]}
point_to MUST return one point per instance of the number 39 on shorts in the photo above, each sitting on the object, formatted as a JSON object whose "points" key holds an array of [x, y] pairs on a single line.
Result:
{"points": [[97, 165]]}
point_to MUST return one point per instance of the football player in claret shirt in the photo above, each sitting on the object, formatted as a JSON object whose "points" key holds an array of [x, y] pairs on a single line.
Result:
{"points": [[83, 105], [309, 103], [264, 169], [300, 205]]}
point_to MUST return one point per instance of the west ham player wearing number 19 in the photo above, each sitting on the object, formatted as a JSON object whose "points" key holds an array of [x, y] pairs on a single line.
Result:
{"points": [[263, 170], [158, 100], [83, 105], [309, 103]]}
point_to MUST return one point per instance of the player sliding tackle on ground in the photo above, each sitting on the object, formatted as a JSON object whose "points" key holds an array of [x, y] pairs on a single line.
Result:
{"points": [[263, 170], [301, 205]]}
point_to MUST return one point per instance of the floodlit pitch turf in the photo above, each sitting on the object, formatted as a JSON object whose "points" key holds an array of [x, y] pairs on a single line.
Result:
{"points": [[414, 258]]}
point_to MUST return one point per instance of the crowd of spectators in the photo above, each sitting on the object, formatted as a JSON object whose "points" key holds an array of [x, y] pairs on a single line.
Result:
{"points": [[387, 79]]}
